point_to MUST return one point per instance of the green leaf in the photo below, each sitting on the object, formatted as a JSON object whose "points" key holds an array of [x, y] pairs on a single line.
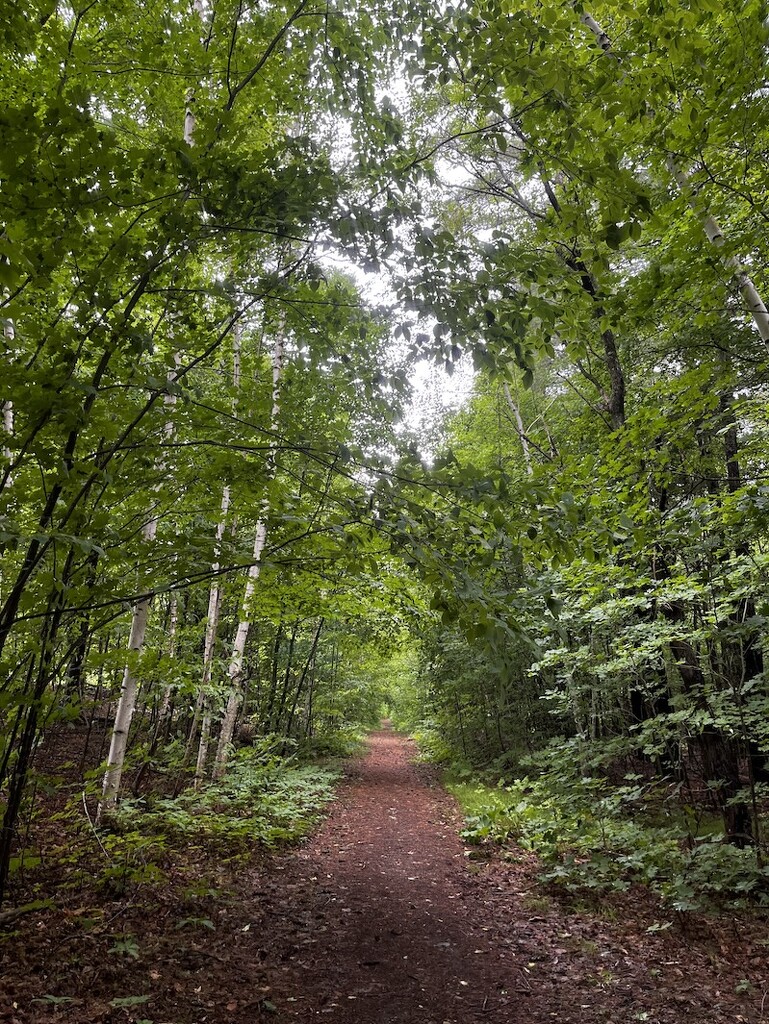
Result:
{"points": [[124, 1001]]}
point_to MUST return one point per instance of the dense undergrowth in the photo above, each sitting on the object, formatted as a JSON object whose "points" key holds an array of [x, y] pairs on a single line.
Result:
{"points": [[595, 832], [268, 799], [263, 800]]}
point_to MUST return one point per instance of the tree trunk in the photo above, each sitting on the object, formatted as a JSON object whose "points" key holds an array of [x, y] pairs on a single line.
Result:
{"points": [[744, 659], [29, 734], [235, 670], [214, 604], [719, 754], [273, 694], [742, 280], [212, 625], [124, 714], [130, 685], [9, 333], [519, 428], [303, 677], [275, 720]]}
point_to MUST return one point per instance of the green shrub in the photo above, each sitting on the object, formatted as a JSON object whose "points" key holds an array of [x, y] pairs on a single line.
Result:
{"points": [[263, 799], [432, 745], [341, 743], [591, 835]]}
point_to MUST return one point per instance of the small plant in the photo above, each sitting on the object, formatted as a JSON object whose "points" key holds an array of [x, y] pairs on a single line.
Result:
{"points": [[126, 1001], [194, 922], [201, 889], [133, 856], [126, 945], [264, 799]]}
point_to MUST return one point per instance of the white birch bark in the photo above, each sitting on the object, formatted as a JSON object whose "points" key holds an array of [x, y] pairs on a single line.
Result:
{"points": [[214, 598], [519, 428], [189, 120], [130, 685], [235, 670], [603, 40], [189, 112], [8, 429], [212, 624], [743, 282], [127, 703], [173, 622]]}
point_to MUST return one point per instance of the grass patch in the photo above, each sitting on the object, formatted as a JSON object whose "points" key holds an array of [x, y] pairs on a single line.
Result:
{"points": [[477, 798]]}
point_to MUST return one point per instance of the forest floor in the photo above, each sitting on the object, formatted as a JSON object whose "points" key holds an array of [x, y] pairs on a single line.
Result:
{"points": [[383, 916]]}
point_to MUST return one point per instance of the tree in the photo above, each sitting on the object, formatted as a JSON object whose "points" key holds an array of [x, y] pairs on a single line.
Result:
{"points": [[124, 246]]}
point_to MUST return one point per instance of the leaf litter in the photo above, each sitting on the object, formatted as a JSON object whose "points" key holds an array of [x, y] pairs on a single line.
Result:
{"points": [[380, 917]]}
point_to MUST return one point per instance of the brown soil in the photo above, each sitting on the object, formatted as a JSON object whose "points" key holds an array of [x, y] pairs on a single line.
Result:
{"points": [[383, 917]]}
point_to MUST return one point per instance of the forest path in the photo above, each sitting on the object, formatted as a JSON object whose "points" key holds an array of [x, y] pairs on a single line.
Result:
{"points": [[383, 918], [394, 932]]}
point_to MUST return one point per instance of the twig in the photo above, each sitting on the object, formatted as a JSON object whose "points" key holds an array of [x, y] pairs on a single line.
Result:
{"points": [[93, 829], [10, 915]]}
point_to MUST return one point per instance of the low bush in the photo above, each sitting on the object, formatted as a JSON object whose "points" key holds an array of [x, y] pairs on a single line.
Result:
{"points": [[264, 798], [592, 835]]}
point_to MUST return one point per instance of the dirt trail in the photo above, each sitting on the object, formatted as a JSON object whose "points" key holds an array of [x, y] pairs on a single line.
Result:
{"points": [[383, 918], [397, 935]]}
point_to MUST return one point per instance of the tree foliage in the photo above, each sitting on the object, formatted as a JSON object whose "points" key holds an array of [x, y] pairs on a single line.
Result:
{"points": [[572, 199]]}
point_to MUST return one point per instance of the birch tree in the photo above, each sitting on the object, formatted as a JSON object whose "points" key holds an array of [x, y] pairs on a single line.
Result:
{"points": [[129, 689], [214, 605], [131, 677], [7, 410], [235, 669]]}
